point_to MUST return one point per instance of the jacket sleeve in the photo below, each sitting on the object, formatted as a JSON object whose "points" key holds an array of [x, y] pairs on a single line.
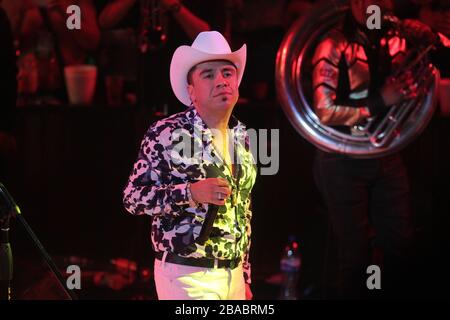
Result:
{"points": [[149, 190], [325, 83]]}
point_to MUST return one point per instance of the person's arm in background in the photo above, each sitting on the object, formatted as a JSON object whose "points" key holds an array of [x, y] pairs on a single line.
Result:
{"points": [[189, 22], [114, 12], [88, 37], [437, 16], [8, 84]]}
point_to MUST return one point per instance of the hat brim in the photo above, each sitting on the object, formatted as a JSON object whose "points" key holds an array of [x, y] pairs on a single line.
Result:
{"points": [[185, 57]]}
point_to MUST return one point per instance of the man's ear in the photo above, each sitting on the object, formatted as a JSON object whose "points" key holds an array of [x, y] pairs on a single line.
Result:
{"points": [[191, 92]]}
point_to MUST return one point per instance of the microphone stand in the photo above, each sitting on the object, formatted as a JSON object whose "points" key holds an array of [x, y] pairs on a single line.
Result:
{"points": [[6, 258]]}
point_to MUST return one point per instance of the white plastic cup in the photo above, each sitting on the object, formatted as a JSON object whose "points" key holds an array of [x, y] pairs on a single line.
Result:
{"points": [[81, 81], [444, 97]]}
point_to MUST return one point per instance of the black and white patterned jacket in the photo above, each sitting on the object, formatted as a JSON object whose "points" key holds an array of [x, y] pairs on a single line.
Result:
{"points": [[157, 187]]}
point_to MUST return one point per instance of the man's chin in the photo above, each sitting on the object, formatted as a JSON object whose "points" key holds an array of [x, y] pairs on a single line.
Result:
{"points": [[225, 102]]}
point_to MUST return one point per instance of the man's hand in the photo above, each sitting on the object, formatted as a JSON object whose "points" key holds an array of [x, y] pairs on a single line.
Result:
{"points": [[397, 89], [211, 190], [419, 33], [248, 292]]}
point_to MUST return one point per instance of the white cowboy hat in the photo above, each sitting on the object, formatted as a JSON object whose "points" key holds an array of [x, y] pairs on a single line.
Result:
{"points": [[209, 45]]}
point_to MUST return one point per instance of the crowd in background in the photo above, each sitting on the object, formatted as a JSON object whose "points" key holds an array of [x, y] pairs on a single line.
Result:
{"points": [[134, 40]]}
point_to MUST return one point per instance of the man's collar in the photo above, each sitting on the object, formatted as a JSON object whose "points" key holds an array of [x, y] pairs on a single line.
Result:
{"points": [[195, 119], [198, 123]]}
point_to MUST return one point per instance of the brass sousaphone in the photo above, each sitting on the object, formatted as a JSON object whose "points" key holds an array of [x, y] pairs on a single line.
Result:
{"points": [[377, 137]]}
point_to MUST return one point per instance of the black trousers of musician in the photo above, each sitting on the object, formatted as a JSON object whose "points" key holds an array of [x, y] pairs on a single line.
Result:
{"points": [[368, 201]]}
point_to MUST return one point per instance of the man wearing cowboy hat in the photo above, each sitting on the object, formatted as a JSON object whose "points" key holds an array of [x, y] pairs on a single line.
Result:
{"points": [[200, 200]]}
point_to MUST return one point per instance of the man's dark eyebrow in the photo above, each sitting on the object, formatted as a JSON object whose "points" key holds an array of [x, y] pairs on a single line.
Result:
{"points": [[224, 68], [205, 71], [229, 67]]}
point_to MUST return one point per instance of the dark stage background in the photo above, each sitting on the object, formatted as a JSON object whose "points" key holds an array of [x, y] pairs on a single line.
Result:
{"points": [[73, 163]]}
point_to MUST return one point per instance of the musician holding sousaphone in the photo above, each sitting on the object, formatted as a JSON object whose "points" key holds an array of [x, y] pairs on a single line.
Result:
{"points": [[356, 81]]}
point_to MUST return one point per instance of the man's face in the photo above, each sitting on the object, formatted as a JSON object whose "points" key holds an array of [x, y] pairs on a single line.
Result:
{"points": [[359, 8], [214, 85]]}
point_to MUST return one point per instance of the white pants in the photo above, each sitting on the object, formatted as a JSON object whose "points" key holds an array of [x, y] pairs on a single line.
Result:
{"points": [[179, 282]]}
